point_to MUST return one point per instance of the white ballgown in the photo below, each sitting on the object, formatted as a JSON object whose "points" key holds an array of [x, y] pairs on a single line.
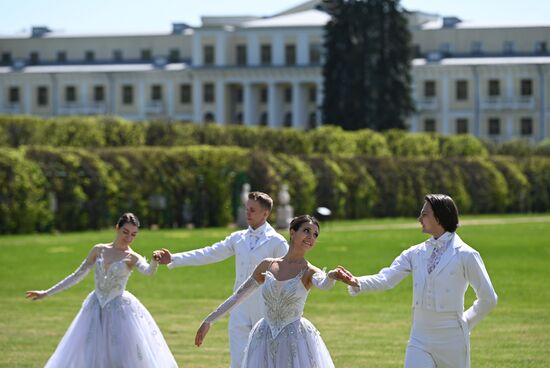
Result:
{"points": [[282, 338], [112, 329]]}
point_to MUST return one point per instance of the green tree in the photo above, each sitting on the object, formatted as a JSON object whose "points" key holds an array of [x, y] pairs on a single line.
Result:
{"points": [[367, 79]]}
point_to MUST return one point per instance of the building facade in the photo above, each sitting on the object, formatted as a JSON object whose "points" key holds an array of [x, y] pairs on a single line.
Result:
{"points": [[492, 82]]}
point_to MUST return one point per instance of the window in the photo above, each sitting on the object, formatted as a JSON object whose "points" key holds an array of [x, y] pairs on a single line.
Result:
{"points": [[239, 118], [174, 55], [429, 88], [34, 58], [263, 95], [13, 95], [241, 55], [208, 55], [461, 126], [208, 95], [61, 57], [208, 117], [494, 126], [315, 53], [127, 94], [6, 58], [290, 54], [508, 47], [526, 126], [494, 88], [540, 47], [156, 92], [99, 94], [238, 95], [146, 55], [312, 121], [445, 49], [312, 94], [526, 87], [70, 94], [89, 56], [288, 120], [288, 95], [429, 125], [117, 55], [42, 96], [263, 119], [476, 48], [461, 90], [185, 93], [265, 54]]}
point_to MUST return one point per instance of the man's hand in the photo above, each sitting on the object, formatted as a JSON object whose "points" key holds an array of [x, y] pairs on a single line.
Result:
{"points": [[162, 256], [201, 333]]}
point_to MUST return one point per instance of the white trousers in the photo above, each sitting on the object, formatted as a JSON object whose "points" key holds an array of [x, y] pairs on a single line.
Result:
{"points": [[438, 340], [240, 325]]}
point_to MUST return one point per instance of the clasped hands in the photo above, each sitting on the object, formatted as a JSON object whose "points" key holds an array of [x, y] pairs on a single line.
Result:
{"points": [[341, 274], [162, 256]]}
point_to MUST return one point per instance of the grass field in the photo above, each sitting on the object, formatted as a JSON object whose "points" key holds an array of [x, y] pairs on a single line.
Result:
{"points": [[367, 331]]}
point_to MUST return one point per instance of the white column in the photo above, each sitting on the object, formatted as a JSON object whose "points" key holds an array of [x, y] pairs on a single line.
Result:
{"points": [[509, 133], [197, 58], [170, 93], [220, 102], [274, 106], [319, 102], [82, 98], [250, 105], [278, 50], [445, 102], [220, 48], [28, 97], [252, 49], [197, 100], [297, 106], [302, 49], [141, 99]]}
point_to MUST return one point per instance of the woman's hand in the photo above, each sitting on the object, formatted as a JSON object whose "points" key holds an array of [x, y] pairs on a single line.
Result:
{"points": [[201, 333], [36, 294], [341, 274]]}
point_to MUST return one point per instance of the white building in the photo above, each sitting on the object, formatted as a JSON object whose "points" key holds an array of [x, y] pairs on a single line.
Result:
{"points": [[493, 82]]}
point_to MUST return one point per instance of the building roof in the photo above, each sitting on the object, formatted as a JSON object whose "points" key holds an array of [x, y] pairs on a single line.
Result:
{"points": [[505, 60], [308, 18], [94, 68]]}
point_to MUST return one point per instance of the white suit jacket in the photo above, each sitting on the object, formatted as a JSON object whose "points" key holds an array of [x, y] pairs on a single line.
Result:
{"points": [[271, 244], [458, 267]]}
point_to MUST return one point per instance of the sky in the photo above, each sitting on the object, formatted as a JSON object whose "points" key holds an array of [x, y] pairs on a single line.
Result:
{"points": [[120, 16]]}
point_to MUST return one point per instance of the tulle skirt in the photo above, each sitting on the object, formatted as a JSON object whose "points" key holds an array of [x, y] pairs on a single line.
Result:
{"points": [[121, 334], [298, 345]]}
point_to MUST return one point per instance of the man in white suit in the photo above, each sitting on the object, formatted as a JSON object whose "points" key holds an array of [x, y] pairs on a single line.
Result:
{"points": [[442, 268], [249, 247]]}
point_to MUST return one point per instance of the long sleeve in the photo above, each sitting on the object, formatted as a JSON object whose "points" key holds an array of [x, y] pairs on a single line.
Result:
{"points": [[73, 279], [146, 268], [481, 283], [238, 296], [387, 278], [212, 254], [322, 281]]}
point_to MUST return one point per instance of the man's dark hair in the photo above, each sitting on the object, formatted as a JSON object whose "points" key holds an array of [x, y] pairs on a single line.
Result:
{"points": [[263, 199], [445, 210]]}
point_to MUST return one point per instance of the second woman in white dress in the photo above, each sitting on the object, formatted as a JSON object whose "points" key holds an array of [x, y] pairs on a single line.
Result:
{"points": [[283, 338]]}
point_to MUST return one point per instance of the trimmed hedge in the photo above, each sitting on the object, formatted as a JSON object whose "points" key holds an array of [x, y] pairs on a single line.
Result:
{"points": [[45, 188]]}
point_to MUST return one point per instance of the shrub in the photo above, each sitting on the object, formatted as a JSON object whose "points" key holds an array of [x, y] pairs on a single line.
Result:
{"points": [[463, 145], [24, 205]]}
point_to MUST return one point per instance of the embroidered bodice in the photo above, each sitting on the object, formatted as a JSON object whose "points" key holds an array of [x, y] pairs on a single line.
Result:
{"points": [[110, 282], [284, 301]]}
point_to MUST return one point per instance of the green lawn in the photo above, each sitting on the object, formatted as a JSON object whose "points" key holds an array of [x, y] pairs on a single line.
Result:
{"points": [[368, 331]]}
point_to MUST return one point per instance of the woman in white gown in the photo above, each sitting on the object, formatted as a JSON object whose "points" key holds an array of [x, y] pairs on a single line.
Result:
{"points": [[283, 338], [112, 329]]}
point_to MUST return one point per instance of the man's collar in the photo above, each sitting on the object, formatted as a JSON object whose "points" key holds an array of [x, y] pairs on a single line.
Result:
{"points": [[441, 241]]}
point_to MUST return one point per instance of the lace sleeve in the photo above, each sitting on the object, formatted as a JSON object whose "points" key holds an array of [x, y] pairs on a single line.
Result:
{"points": [[238, 296], [321, 280], [73, 279], [146, 268]]}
